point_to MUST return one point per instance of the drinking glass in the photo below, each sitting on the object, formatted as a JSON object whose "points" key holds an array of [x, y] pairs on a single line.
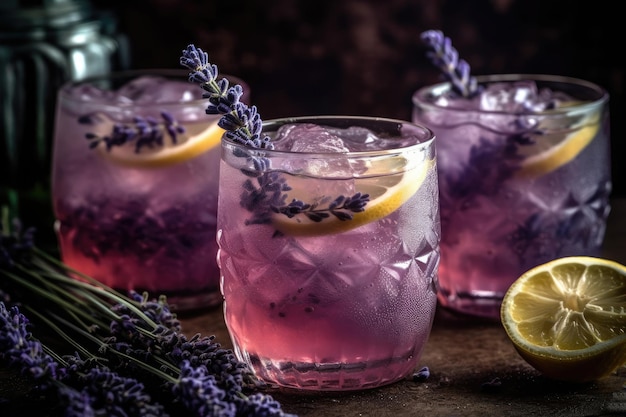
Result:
{"points": [[520, 184], [329, 246], [134, 184]]}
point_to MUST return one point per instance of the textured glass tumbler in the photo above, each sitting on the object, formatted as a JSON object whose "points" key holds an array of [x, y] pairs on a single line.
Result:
{"points": [[517, 188], [315, 300], [136, 217]]}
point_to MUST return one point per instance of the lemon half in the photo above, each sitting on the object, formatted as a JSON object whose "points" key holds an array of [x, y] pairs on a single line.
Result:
{"points": [[567, 317], [197, 140], [552, 151], [386, 193]]}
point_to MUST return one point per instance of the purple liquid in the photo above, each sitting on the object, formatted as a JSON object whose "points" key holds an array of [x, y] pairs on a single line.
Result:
{"points": [[131, 227], [341, 310], [497, 219]]}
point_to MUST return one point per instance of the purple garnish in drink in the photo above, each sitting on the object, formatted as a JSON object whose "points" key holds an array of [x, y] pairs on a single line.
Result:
{"points": [[444, 56], [144, 132], [242, 122], [243, 125]]}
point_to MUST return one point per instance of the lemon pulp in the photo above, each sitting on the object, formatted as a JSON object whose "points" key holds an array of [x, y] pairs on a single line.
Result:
{"points": [[197, 140], [567, 318], [386, 193]]}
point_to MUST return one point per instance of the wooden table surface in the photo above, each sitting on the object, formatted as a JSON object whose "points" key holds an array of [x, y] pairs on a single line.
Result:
{"points": [[464, 356]]}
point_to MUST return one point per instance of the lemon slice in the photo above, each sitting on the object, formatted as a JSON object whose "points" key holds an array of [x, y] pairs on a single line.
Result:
{"points": [[567, 317], [197, 140], [387, 194], [554, 150]]}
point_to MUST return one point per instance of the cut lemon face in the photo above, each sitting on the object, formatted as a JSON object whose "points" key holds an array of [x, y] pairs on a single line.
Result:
{"points": [[554, 150], [567, 318], [386, 193], [197, 140]]}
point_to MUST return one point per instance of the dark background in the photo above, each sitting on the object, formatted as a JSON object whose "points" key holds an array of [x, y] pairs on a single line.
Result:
{"points": [[303, 57]]}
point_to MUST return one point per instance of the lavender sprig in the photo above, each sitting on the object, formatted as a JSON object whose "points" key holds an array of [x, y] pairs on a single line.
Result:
{"points": [[145, 132], [19, 349], [444, 56], [339, 207], [131, 349], [244, 126], [267, 195], [82, 389], [242, 123]]}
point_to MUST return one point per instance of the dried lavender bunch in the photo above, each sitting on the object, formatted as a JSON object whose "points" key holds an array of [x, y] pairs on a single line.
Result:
{"points": [[243, 125], [81, 389], [445, 57], [145, 132], [130, 349]]}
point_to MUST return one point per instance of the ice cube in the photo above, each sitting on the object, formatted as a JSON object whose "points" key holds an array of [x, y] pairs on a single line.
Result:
{"points": [[325, 158], [508, 97], [520, 97], [156, 89], [357, 138], [308, 137], [141, 90], [314, 139], [89, 92]]}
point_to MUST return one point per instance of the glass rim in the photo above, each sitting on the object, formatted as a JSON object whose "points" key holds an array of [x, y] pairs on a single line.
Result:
{"points": [[182, 74], [429, 136], [419, 97]]}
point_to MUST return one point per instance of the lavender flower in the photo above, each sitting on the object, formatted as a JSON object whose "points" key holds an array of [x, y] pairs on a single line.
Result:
{"points": [[145, 132], [132, 335], [244, 126], [140, 355], [444, 56], [104, 392], [341, 207], [269, 196], [198, 391], [19, 349], [422, 375]]}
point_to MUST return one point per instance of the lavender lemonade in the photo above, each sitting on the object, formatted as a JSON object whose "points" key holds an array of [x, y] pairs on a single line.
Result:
{"points": [[328, 233], [524, 174], [329, 250], [134, 184]]}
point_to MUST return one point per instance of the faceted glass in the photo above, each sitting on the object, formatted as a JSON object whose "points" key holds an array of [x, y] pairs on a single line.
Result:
{"points": [[330, 303], [139, 220], [518, 186]]}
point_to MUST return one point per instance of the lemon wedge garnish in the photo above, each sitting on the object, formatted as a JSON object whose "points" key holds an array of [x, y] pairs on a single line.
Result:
{"points": [[554, 150], [386, 193], [567, 317], [197, 140]]}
